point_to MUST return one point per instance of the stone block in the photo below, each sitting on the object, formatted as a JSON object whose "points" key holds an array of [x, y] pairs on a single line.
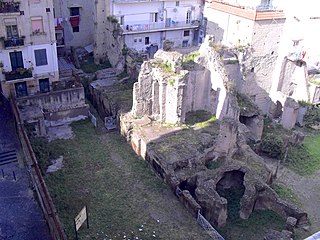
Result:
{"points": [[291, 223]]}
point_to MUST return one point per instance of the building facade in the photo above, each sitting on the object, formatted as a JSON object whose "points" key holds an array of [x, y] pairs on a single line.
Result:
{"points": [[74, 23], [148, 24], [254, 28], [28, 57]]}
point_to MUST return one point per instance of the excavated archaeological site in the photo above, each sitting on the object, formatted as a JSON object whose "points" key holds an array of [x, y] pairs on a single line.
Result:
{"points": [[192, 121]]}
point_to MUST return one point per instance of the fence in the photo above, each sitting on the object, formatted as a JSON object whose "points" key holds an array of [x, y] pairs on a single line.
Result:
{"points": [[93, 119], [40, 187], [203, 222], [208, 228]]}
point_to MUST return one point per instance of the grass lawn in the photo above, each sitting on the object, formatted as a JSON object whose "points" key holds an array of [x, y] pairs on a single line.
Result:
{"points": [[254, 228], [305, 159], [124, 197], [88, 65], [287, 194]]}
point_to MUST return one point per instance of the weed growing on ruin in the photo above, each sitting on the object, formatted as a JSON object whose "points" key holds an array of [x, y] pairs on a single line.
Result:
{"points": [[166, 67], [315, 81], [214, 164], [171, 82], [272, 145], [189, 60], [312, 117]]}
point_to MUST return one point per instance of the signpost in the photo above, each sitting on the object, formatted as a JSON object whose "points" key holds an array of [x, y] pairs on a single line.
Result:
{"points": [[80, 219]]}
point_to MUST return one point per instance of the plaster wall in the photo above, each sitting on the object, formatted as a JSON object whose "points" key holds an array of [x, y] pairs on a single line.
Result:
{"points": [[86, 26], [228, 29]]}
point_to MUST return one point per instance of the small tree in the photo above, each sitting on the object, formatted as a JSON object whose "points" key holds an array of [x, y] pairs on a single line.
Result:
{"points": [[272, 145]]}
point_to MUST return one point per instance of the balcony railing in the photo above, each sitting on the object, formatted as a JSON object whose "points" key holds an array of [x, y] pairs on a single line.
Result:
{"points": [[13, 42], [147, 26], [9, 7], [19, 73]]}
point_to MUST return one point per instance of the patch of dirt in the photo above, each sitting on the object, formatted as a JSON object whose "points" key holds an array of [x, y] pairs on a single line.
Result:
{"points": [[307, 189]]}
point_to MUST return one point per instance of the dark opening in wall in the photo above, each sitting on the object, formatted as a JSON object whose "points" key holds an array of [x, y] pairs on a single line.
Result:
{"points": [[190, 185], [252, 69], [231, 188]]}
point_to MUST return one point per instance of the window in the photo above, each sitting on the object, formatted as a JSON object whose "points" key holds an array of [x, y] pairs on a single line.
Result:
{"points": [[21, 89], [188, 17], [37, 25], [186, 33], [16, 60], [12, 31], [76, 29], [137, 39], [44, 85], [41, 57], [74, 11], [177, 4], [154, 17], [146, 40]]}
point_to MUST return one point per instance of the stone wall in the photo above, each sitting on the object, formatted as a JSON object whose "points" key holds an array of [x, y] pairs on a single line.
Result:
{"points": [[109, 41], [56, 101], [167, 92]]}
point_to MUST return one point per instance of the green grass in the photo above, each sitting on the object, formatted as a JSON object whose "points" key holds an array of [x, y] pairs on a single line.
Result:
{"points": [[198, 117], [305, 159], [188, 61], [166, 67], [287, 194], [88, 65], [253, 228], [122, 194], [214, 164]]}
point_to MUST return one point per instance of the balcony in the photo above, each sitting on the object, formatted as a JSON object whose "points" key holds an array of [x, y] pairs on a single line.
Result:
{"points": [[140, 27], [262, 12], [19, 73], [13, 42], [9, 7]]}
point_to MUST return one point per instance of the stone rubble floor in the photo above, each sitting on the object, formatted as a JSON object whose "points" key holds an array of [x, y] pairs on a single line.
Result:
{"points": [[21, 217]]}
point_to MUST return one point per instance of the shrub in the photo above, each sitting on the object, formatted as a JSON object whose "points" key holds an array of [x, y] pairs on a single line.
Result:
{"points": [[312, 117], [272, 145]]}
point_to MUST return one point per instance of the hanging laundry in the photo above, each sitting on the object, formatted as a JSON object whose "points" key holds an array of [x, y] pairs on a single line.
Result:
{"points": [[74, 21]]}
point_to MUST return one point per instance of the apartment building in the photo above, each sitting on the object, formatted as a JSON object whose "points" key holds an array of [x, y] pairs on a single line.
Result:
{"points": [[74, 23], [28, 57], [255, 27], [146, 24]]}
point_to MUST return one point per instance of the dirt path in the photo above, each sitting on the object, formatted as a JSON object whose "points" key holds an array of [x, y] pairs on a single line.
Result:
{"points": [[307, 189]]}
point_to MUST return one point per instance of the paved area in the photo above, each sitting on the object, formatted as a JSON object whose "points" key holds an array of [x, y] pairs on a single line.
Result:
{"points": [[21, 217]]}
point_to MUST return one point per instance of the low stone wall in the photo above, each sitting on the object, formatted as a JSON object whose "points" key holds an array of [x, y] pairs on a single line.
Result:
{"points": [[57, 100]]}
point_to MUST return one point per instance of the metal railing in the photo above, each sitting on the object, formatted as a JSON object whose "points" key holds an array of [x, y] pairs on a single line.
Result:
{"points": [[20, 73], [203, 222], [147, 26], [46, 203], [13, 42]]}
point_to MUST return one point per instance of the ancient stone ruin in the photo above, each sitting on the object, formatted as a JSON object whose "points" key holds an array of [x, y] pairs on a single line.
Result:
{"points": [[202, 163]]}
